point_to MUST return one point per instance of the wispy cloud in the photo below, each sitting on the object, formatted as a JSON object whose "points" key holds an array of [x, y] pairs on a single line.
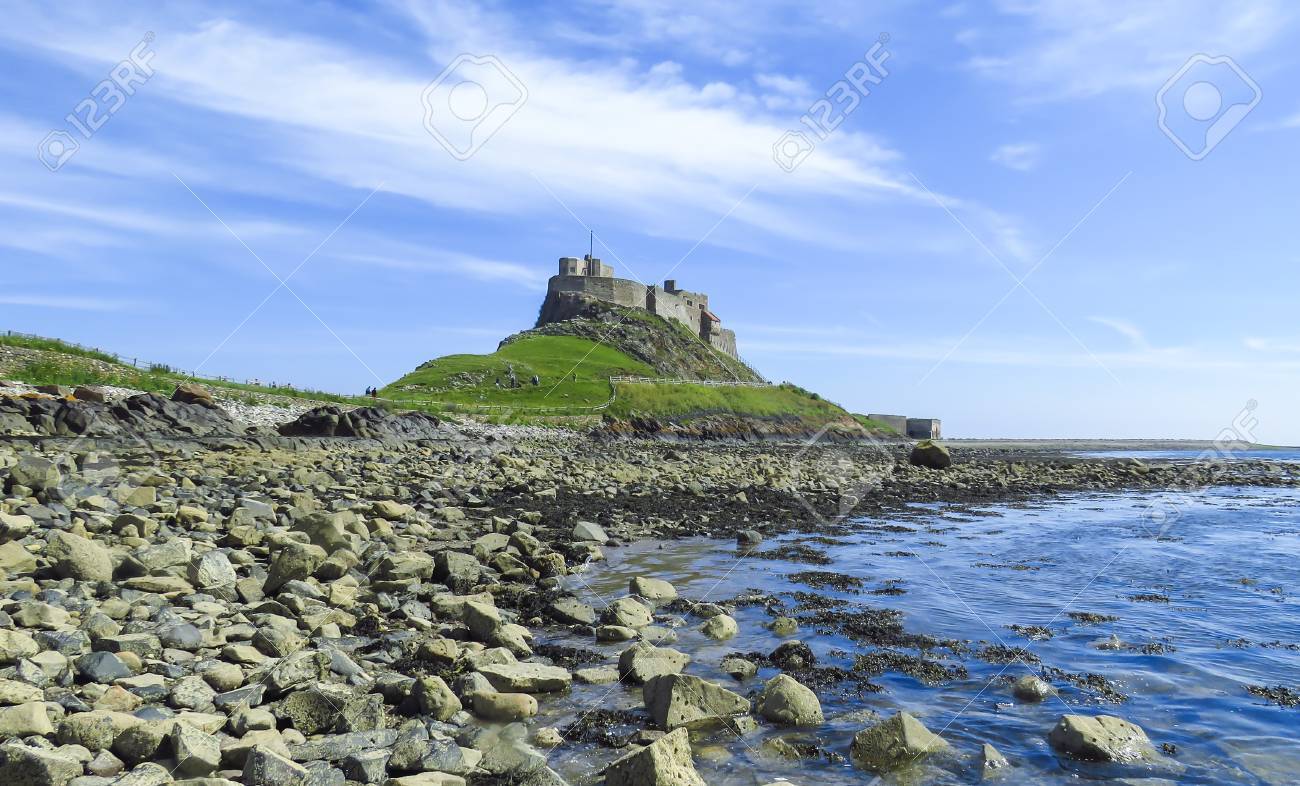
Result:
{"points": [[1022, 156], [66, 302], [1126, 329]]}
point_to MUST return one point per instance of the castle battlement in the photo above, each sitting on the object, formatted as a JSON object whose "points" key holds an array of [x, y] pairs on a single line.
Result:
{"points": [[590, 278]]}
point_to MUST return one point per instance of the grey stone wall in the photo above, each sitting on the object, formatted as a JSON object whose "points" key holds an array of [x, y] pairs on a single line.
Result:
{"points": [[896, 422]]}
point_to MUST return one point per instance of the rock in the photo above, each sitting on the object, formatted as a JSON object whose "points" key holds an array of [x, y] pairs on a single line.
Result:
{"points": [[14, 559], [15, 692], [426, 779], [643, 661], [266, 767], [294, 562], [458, 571], [504, 707], [609, 633], [212, 569], [1031, 688], [653, 590], [436, 698], [1101, 738], [14, 645], [197, 754], [103, 667], [675, 700], [25, 720], [930, 455], [739, 668], [24, 766], [147, 774], [190, 393], [75, 557], [36, 473], [586, 530], [89, 393], [627, 612], [389, 510], [664, 762], [94, 731], [894, 743], [748, 539], [720, 628], [366, 766], [787, 702], [784, 626], [526, 677], [992, 762], [571, 611]]}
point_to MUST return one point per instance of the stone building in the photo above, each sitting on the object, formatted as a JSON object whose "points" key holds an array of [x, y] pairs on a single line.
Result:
{"points": [[590, 278]]}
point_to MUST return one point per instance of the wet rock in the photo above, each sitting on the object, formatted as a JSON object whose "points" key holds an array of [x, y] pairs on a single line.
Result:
{"points": [[748, 539], [665, 762], [1030, 688], [992, 762], [571, 611], [1101, 738], [589, 531], [675, 700], [643, 661], [627, 613], [739, 668], [653, 590], [894, 743], [792, 656], [720, 628], [787, 702]]}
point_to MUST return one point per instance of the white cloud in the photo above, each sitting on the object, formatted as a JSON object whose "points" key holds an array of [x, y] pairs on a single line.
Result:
{"points": [[420, 260], [71, 303], [641, 145], [1022, 156], [1126, 329], [1080, 48]]}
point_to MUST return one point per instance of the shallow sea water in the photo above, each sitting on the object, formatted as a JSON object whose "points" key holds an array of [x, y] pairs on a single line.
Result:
{"points": [[1228, 566]]}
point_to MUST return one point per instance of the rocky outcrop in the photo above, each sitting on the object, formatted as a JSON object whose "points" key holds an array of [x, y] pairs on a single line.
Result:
{"points": [[144, 415], [366, 422]]}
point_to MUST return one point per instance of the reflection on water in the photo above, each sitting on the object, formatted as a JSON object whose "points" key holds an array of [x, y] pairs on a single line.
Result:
{"points": [[1199, 614]]}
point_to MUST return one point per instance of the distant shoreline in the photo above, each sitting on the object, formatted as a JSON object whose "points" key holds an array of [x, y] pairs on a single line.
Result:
{"points": [[1104, 444]]}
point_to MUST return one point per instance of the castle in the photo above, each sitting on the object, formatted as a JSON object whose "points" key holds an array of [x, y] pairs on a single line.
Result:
{"points": [[589, 278]]}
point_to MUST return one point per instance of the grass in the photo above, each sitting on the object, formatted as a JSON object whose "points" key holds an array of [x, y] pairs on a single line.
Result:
{"points": [[55, 345], [61, 366], [686, 401], [572, 372], [876, 426]]}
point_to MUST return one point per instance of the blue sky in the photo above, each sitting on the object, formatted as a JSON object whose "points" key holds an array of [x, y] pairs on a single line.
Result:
{"points": [[1006, 139]]}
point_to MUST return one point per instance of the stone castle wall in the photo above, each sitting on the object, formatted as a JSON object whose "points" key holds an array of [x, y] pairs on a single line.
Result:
{"points": [[565, 292]]}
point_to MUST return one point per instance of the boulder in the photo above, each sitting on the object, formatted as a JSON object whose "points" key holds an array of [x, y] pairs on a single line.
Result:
{"points": [[786, 702], [644, 661], [36, 473], [504, 707], [653, 590], [664, 762], [720, 628], [25, 720], [75, 557], [1031, 688], [627, 613], [265, 767], [1101, 738], [992, 762], [930, 455], [589, 531], [526, 677], [23, 766], [894, 743], [189, 393], [294, 562], [436, 698], [676, 700]]}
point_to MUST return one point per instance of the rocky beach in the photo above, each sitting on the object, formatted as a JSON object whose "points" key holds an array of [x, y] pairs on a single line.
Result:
{"points": [[197, 595]]}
